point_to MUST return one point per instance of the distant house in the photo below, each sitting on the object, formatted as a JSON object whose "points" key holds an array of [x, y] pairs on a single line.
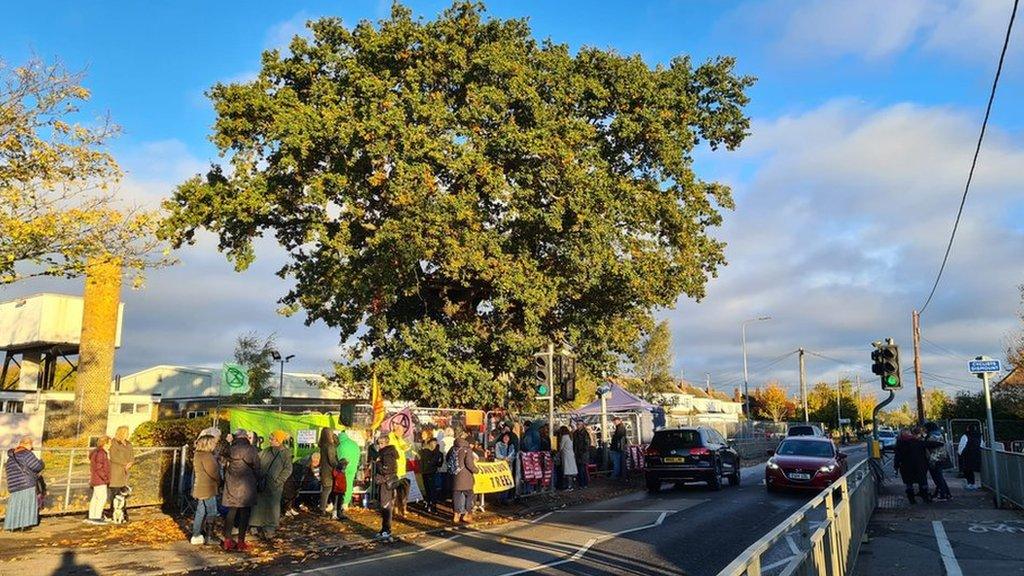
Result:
{"points": [[703, 405]]}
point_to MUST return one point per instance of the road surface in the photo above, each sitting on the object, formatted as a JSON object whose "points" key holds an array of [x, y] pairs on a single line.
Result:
{"points": [[689, 530]]}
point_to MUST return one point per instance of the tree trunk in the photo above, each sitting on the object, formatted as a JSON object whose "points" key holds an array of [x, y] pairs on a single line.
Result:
{"points": [[102, 301]]}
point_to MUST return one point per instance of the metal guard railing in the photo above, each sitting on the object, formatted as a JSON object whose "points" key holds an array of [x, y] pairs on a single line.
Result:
{"points": [[830, 548], [1011, 475]]}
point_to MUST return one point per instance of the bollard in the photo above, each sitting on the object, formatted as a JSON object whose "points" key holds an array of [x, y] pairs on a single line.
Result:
{"points": [[67, 485]]}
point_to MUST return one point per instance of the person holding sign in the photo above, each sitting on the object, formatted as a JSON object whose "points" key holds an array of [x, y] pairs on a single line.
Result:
{"points": [[505, 450]]}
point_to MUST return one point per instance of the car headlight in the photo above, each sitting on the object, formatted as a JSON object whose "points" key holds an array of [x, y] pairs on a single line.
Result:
{"points": [[828, 468], [773, 465]]}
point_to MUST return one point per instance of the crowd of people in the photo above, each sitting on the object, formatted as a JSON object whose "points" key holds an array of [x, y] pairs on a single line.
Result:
{"points": [[240, 486], [921, 452]]}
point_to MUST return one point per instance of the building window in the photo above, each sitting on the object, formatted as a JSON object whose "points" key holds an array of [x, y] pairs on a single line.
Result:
{"points": [[13, 406], [142, 408], [192, 414], [127, 409]]}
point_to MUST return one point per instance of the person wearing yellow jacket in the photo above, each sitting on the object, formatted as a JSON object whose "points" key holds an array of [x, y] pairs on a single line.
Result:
{"points": [[397, 439]]}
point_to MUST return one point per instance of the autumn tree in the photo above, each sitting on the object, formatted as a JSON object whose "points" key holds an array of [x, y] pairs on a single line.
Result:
{"points": [[821, 403], [772, 402], [58, 204], [456, 194], [652, 366], [256, 353], [935, 402]]}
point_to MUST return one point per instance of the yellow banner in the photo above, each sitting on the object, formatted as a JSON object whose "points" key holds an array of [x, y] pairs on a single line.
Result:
{"points": [[492, 477]]}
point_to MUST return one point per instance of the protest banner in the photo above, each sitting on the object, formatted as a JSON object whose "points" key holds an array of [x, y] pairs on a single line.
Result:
{"points": [[492, 477]]}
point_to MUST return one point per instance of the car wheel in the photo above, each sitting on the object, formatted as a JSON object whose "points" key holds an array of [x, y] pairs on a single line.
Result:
{"points": [[715, 482], [734, 478], [653, 485]]}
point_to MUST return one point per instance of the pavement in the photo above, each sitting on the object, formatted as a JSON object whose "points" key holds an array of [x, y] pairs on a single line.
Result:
{"points": [[966, 536]]}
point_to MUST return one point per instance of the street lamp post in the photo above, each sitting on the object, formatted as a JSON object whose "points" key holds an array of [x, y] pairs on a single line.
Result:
{"points": [[280, 382], [746, 384]]}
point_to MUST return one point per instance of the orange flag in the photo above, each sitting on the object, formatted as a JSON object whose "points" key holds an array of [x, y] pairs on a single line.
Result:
{"points": [[377, 401]]}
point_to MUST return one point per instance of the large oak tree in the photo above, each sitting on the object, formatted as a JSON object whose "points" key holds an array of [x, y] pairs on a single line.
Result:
{"points": [[456, 193]]}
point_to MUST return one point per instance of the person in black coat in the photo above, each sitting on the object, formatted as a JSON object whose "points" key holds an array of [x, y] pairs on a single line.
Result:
{"points": [[431, 461], [385, 477], [911, 461], [970, 454]]}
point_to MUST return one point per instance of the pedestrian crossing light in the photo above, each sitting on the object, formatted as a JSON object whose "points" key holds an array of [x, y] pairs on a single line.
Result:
{"points": [[886, 364]]}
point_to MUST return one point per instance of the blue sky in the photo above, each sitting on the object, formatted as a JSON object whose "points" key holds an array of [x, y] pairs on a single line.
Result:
{"points": [[856, 102]]}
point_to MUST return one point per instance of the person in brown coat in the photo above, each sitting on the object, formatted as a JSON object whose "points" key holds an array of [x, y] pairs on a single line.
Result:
{"points": [[241, 474], [462, 466], [328, 462], [99, 478], [206, 480], [122, 458]]}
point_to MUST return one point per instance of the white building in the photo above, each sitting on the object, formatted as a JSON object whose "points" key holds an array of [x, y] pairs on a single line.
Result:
{"points": [[194, 391], [693, 402]]}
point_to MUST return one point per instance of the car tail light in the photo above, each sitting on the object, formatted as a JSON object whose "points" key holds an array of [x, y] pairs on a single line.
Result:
{"points": [[699, 452], [651, 452]]}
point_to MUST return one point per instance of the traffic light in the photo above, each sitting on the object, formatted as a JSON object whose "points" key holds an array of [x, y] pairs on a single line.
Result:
{"points": [[886, 358], [542, 374], [566, 377]]}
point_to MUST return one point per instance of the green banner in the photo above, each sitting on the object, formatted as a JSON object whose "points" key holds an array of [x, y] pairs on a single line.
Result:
{"points": [[299, 426], [234, 380]]}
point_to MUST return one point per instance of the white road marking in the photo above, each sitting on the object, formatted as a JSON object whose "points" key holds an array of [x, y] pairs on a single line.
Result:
{"points": [[792, 545], [586, 547], [946, 549], [541, 517], [376, 558], [782, 562]]}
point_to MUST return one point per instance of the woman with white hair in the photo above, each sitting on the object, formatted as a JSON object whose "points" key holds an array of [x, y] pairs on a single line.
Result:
{"points": [[122, 458], [23, 469]]}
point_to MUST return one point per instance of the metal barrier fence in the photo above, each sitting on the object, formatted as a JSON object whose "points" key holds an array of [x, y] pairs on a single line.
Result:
{"points": [[830, 529], [155, 478], [1011, 474]]}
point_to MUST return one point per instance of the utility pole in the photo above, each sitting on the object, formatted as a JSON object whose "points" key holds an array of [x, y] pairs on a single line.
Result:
{"points": [[917, 366], [707, 382], [839, 405], [860, 415], [803, 386]]}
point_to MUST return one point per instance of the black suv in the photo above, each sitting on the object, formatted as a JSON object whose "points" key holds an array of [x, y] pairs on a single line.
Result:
{"points": [[688, 454]]}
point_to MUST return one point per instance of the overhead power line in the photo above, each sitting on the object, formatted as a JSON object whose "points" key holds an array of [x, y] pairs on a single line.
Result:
{"points": [[974, 162]]}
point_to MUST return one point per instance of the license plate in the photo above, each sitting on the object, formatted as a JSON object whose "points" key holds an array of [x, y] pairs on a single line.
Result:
{"points": [[675, 460], [799, 476]]}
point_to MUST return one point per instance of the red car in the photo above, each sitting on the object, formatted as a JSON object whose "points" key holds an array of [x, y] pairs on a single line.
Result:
{"points": [[804, 463]]}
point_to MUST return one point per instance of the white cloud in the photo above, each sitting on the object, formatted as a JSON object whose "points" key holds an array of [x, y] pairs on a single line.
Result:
{"points": [[838, 234], [280, 35], [876, 29]]}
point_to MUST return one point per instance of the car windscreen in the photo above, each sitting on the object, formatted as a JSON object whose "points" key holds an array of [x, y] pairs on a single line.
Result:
{"points": [[813, 449], [801, 431], [886, 434], [672, 439]]}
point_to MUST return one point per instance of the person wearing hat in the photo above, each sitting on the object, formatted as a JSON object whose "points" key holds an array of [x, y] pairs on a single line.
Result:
{"points": [[276, 466], [618, 446], [385, 476], [241, 475]]}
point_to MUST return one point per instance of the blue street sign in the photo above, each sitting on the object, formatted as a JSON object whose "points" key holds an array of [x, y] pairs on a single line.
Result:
{"points": [[982, 366]]}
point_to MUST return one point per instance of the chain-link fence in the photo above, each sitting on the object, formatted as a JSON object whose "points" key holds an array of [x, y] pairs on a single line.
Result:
{"points": [[155, 478]]}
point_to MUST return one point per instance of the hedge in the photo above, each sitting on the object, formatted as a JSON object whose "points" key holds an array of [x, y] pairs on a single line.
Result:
{"points": [[172, 431]]}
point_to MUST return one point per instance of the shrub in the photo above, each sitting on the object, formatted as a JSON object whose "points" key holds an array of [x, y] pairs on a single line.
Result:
{"points": [[172, 431]]}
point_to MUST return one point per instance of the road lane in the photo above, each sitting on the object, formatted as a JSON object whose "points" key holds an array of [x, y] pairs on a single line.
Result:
{"points": [[689, 530]]}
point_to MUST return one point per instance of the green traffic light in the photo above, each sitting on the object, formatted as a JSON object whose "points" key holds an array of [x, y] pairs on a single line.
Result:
{"points": [[542, 390], [892, 380]]}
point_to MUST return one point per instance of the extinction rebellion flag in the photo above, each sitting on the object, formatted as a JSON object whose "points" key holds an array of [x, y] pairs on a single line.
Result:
{"points": [[234, 380]]}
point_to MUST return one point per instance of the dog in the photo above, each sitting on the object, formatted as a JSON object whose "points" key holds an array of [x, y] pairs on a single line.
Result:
{"points": [[121, 495]]}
